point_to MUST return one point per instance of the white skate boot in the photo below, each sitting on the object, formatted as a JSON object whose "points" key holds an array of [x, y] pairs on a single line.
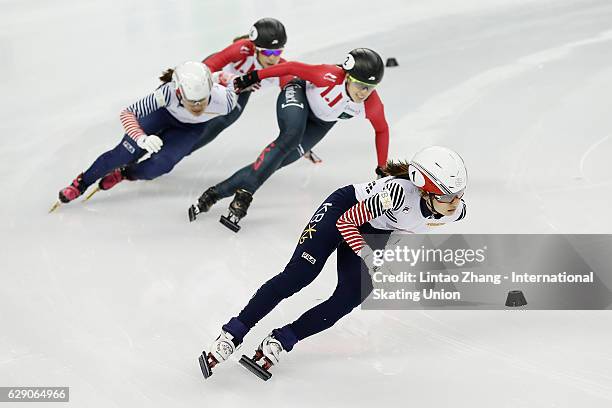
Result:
{"points": [[268, 352], [220, 350]]}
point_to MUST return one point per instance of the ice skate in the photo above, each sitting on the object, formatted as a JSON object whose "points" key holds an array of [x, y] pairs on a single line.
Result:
{"points": [[107, 182], [70, 193], [206, 200], [265, 357], [112, 179], [220, 350], [237, 210]]}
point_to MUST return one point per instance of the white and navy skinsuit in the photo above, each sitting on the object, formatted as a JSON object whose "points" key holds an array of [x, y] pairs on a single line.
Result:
{"points": [[160, 113], [376, 208]]}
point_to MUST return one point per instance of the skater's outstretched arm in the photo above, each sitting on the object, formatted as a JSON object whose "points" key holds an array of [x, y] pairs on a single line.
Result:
{"points": [[145, 106], [319, 75], [234, 52], [375, 113]]}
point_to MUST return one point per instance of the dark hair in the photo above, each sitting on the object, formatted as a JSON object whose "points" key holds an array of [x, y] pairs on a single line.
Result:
{"points": [[166, 76], [241, 37], [397, 169]]}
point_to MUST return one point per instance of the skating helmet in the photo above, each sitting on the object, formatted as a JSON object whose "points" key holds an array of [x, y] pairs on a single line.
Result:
{"points": [[268, 33], [193, 80], [364, 65], [439, 171]]}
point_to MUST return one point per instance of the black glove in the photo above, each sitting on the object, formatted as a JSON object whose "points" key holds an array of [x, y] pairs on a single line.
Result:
{"points": [[243, 82], [380, 172]]}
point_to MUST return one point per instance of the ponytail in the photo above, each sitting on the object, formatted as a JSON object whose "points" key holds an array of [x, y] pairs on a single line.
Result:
{"points": [[167, 76], [241, 37], [397, 169]]}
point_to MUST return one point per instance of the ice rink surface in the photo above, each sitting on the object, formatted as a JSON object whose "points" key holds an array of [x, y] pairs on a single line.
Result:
{"points": [[116, 297]]}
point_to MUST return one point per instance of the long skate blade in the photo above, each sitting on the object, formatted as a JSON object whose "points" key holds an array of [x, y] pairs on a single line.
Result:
{"points": [[55, 206], [253, 367], [88, 196], [229, 223], [206, 370]]}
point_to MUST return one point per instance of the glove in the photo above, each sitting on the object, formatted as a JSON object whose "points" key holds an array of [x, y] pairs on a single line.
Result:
{"points": [[150, 143], [310, 155], [223, 78], [254, 87], [243, 82], [367, 255], [380, 172]]}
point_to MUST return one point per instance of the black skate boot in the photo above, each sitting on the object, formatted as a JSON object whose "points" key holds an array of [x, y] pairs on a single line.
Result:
{"points": [[237, 210], [206, 200]]}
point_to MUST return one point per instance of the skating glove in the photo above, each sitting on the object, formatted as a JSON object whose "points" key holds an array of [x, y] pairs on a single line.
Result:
{"points": [[310, 155], [367, 255], [150, 143], [224, 78], [380, 172], [243, 82]]}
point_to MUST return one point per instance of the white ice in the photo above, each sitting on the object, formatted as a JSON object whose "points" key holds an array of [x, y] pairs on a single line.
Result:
{"points": [[116, 297]]}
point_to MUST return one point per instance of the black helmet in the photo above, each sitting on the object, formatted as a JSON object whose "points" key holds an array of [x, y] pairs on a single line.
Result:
{"points": [[268, 33], [364, 65]]}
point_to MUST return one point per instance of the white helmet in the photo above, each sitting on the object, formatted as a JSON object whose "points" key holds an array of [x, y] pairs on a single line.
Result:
{"points": [[438, 170], [193, 80]]}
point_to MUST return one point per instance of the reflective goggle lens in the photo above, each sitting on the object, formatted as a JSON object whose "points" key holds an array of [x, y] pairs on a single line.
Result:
{"points": [[363, 85], [269, 53], [447, 198]]}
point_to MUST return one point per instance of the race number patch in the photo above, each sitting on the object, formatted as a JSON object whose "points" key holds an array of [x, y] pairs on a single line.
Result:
{"points": [[385, 200]]}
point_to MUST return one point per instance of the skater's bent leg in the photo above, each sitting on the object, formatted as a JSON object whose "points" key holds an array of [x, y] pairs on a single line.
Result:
{"points": [[315, 131], [228, 187], [318, 240], [297, 274], [127, 151], [178, 142], [292, 113], [354, 285], [124, 153]]}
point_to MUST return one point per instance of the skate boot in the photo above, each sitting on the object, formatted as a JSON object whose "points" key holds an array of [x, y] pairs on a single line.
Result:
{"points": [[220, 350], [265, 357], [206, 200], [68, 194], [237, 210], [75, 189], [112, 179], [109, 181]]}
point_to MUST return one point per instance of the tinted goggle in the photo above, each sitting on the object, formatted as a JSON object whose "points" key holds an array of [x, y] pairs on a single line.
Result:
{"points": [[448, 198], [362, 85], [269, 53]]}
